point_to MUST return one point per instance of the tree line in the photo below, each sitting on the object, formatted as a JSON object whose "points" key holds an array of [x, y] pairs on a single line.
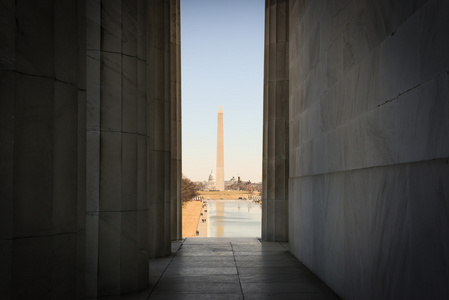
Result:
{"points": [[189, 189]]}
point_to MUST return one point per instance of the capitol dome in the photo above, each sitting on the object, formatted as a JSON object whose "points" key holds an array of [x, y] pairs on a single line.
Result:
{"points": [[211, 176]]}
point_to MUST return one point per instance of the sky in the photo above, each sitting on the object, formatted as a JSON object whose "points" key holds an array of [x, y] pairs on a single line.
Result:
{"points": [[222, 48]]}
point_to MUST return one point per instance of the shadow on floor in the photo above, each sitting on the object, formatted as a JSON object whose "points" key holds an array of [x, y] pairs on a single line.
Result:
{"points": [[232, 268]]}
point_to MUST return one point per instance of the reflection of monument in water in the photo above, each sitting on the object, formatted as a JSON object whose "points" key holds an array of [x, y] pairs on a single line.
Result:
{"points": [[220, 216]]}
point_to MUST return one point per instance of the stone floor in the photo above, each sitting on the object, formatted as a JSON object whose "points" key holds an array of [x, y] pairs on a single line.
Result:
{"points": [[233, 268]]}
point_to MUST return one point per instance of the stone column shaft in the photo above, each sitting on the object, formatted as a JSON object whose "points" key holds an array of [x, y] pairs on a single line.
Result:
{"points": [[275, 123], [42, 96], [175, 96], [164, 126], [117, 247], [90, 145]]}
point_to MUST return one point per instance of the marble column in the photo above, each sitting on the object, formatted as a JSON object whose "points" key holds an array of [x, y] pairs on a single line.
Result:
{"points": [[220, 151], [117, 247], [42, 92], [175, 96], [275, 123], [161, 83], [86, 133]]}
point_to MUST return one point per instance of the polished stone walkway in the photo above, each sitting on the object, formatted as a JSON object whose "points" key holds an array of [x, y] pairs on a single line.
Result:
{"points": [[233, 268]]}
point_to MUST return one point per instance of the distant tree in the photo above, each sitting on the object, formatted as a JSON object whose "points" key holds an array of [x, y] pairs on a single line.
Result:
{"points": [[200, 186], [241, 186], [189, 189], [250, 188]]}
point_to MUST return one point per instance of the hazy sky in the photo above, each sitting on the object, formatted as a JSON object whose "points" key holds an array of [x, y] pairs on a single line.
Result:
{"points": [[222, 65]]}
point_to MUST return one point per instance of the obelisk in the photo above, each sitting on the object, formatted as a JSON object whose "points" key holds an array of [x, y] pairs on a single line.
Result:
{"points": [[220, 154]]}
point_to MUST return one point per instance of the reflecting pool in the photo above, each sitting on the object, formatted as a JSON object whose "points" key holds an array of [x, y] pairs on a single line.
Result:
{"points": [[234, 218]]}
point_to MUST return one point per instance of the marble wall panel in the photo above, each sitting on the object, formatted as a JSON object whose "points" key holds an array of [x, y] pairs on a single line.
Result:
{"points": [[428, 196], [336, 157], [395, 13], [305, 222], [356, 37], [357, 223], [314, 85], [367, 202], [368, 88], [399, 60], [319, 161], [382, 135], [334, 232], [280, 211], [391, 255], [434, 60], [334, 60], [305, 152], [317, 216], [422, 121], [292, 206], [355, 145], [332, 107]]}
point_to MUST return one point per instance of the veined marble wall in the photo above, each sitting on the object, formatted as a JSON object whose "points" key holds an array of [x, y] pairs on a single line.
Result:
{"points": [[369, 146], [89, 90]]}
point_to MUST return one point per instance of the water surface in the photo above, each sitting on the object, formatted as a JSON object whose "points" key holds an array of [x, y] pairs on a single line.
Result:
{"points": [[234, 218]]}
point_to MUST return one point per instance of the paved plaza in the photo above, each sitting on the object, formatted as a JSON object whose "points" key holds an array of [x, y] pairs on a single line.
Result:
{"points": [[233, 268]]}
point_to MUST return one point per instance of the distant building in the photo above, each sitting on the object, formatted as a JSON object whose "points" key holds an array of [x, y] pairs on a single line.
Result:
{"points": [[230, 181], [211, 182]]}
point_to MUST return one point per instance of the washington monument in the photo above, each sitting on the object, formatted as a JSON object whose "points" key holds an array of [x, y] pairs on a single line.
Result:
{"points": [[220, 154]]}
